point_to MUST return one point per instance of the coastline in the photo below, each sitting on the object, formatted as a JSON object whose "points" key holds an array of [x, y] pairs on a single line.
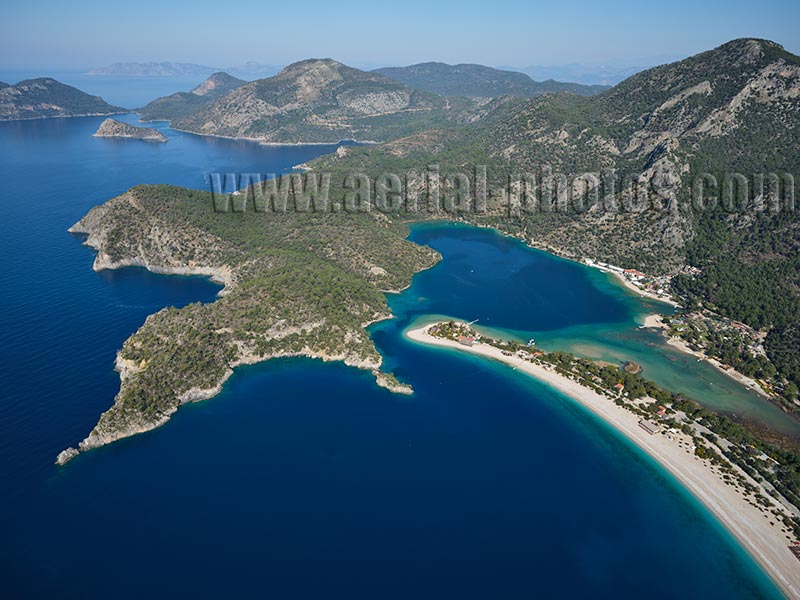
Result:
{"points": [[654, 321], [105, 114], [764, 542], [636, 289], [96, 439], [259, 140], [221, 273], [559, 253]]}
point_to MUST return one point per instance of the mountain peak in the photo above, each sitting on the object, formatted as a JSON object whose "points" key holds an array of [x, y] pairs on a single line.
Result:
{"points": [[181, 104], [311, 64], [742, 52], [750, 43], [217, 84], [39, 81]]}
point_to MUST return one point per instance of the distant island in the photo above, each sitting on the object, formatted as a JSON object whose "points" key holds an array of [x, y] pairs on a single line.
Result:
{"points": [[587, 74], [152, 69], [112, 128], [45, 97], [248, 70]]}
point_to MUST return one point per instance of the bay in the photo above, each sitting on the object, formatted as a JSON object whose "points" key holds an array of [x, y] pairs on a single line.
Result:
{"points": [[303, 479]]}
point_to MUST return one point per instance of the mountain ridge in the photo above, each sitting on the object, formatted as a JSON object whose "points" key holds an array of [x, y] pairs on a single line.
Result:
{"points": [[45, 97], [475, 80], [325, 101]]}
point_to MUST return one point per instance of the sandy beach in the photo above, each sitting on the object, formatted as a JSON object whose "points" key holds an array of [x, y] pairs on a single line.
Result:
{"points": [[766, 543], [636, 289]]}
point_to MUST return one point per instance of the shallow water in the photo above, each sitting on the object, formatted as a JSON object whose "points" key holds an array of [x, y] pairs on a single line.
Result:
{"points": [[521, 293]]}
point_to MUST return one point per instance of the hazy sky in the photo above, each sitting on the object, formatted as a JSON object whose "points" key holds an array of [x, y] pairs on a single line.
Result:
{"points": [[58, 34]]}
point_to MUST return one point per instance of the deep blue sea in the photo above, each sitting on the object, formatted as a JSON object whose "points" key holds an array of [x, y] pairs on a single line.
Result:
{"points": [[303, 479]]}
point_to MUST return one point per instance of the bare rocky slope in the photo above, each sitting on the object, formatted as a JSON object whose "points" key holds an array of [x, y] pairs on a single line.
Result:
{"points": [[324, 101]]}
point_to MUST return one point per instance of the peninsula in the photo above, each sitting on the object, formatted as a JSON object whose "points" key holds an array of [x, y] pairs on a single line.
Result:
{"points": [[111, 128], [296, 284], [727, 475]]}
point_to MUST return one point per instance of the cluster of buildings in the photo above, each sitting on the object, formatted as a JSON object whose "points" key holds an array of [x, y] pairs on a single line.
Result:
{"points": [[703, 322], [690, 270], [656, 285]]}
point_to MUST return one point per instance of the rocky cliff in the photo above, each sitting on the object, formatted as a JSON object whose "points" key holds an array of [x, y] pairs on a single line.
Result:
{"points": [[217, 85]]}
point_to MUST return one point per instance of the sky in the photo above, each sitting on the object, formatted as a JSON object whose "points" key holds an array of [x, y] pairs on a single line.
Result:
{"points": [[84, 34]]}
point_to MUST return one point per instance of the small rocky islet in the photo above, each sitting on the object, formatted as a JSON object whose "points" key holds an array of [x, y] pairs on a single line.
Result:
{"points": [[117, 129]]}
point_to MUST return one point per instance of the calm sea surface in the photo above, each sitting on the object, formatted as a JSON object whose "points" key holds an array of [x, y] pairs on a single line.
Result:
{"points": [[303, 479], [127, 91]]}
